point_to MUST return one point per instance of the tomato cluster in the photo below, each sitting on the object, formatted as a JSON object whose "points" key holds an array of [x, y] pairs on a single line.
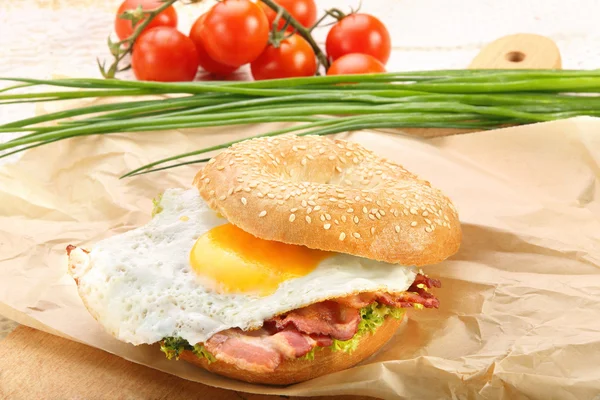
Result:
{"points": [[238, 32]]}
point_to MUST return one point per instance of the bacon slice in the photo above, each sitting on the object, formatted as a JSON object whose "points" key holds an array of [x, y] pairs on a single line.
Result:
{"points": [[258, 350], [294, 334], [325, 318], [417, 293]]}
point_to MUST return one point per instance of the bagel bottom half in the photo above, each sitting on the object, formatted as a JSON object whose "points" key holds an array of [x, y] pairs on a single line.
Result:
{"points": [[325, 362]]}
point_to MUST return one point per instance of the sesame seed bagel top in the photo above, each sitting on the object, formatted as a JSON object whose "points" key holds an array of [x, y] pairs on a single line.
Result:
{"points": [[331, 195]]}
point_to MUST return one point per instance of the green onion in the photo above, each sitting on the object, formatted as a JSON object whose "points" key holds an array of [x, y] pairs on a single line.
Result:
{"points": [[319, 105]]}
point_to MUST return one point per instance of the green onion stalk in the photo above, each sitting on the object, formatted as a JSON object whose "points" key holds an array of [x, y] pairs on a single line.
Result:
{"points": [[319, 105]]}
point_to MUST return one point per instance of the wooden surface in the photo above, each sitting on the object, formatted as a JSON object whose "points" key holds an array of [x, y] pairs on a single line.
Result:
{"points": [[36, 365], [520, 51]]}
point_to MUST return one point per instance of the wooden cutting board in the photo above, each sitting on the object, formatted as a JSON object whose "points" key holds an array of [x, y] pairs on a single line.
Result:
{"points": [[37, 365]]}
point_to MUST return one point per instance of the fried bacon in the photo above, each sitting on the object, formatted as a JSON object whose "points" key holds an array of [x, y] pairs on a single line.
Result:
{"points": [[297, 332]]}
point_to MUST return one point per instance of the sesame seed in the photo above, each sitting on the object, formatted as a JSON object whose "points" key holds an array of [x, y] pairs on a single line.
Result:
{"points": [[414, 223], [372, 230], [220, 168], [211, 193], [382, 212], [343, 218], [328, 217], [317, 208], [221, 198], [365, 210], [350, 210], [372, 217], [262, 213], [322, 218], [425, 213], [428, 229], [308, 219], [244, 201], [413, 211], [342, 236], [331, 158], [338, 169], [309, 210], [304, 204], [356, 235], [292, 217], [397, 228], [303, 162], [311, 203], [427, 221], [356, 220], [327, 226], [271, 195], [293, 210], [206, 181]]}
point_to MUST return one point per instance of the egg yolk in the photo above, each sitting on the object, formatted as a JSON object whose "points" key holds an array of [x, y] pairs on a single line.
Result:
{"points": [[241, 262]]}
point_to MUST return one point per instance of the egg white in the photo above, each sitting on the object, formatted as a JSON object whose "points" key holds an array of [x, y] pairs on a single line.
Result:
{"points": [[140, 286]]}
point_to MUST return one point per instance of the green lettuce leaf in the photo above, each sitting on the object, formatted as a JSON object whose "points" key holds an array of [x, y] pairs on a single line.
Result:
{"points": [[174, 346], [372, 317]]}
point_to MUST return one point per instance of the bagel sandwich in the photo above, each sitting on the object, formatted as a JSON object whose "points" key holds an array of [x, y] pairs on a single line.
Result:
{"points": [[289, 258]]}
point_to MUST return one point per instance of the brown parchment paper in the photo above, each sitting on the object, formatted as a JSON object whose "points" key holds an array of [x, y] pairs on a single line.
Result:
{"points": [[520, 303]]}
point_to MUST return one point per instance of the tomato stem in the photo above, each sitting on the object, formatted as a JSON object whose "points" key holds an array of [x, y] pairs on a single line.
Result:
{"points": [[336, 13], [123, 47], [301, 30]]}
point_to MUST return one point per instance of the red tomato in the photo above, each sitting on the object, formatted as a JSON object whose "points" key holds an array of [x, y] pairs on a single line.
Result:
{"points": [[351, 64], [123, 26], [235, 32], [359, 33], [164, 54], [209, 65], [304, 11], [293, 57]]}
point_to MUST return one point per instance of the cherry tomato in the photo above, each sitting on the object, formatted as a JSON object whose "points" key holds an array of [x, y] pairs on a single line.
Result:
{"points": [[359, 33], [293, 57], [235, 32], [209, 65], [351, 64], [166, 18], [164, 54], [304, 11]]}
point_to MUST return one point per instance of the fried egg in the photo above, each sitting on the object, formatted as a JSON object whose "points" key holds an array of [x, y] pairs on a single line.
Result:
{"points": [[189, 273]]}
